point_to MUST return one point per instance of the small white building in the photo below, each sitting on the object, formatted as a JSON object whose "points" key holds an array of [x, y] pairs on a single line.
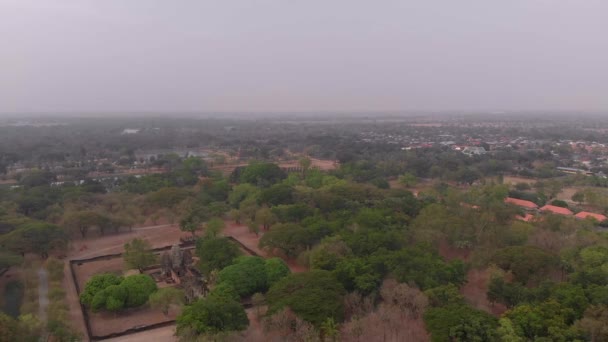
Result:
{"points": [[474, 151]]}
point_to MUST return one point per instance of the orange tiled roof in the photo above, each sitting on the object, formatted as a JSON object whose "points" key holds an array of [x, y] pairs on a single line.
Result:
{"points": [[585, 214], [521, 203], [556, 210]]}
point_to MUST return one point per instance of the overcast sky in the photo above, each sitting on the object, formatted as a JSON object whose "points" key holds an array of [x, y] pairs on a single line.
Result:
{"points": [[309, 55]]}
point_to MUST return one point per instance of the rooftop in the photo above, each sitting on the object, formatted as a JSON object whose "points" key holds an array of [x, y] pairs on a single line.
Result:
{"points": [[556, 210], [521, 203], [585, 214]]}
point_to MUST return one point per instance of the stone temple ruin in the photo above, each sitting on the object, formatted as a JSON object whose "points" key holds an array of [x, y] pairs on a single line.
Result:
{"points": [[178, 268]]}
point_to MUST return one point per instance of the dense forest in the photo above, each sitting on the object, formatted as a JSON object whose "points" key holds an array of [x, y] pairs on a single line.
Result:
{"points": [[390, 243]]}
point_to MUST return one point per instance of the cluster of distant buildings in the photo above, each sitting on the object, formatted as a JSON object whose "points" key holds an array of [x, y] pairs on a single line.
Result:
{"points": [[532, 208]]}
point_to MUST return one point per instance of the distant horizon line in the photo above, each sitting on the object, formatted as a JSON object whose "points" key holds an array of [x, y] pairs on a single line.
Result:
{"points": [[300, 112]]}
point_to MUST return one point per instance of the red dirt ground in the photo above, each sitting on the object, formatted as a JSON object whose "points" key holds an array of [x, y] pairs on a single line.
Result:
{"points": [[475, 292], [165, 334], [104, 323], [476, 286], [450, 253]]}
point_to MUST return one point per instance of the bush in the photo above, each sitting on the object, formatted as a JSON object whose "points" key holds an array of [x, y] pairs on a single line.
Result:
{"points": [[212, 315], [55, 268], [559, 203], [247, 276], [113, 293], [96, 284], [215, 253], [276, 269], [138, 287]]}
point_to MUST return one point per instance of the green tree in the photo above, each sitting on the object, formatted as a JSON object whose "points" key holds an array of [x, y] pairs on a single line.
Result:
{"points": [[289, 238], [112, 298], [571, 296], [253, 227], [30, 328], [96, 284], [8, 328], [192, 222], [305, 163], [166, 197], [138, 254], [262, 174], [265, 218], [330, 329], [215, 253], [277, 194], [579, 197], [211, 315], [408, 180], [444, 295], [82, 221], [165, 297], [507, 332], [276, 269], [139, 287], [546, 320], [35, 237], [214, 227], [509, 294], [424, 268], [235, 215], [526, 262], [9, 259], [247, 276], [358, 274], [242, 192], [460, 323], [328, 253], [314, 296]]}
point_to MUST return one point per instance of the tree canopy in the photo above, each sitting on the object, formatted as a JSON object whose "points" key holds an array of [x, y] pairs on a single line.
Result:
{"points": [[314, 296]]}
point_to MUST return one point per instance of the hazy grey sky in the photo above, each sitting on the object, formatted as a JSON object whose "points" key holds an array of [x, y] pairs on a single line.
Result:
{"points": [[309, 55]]}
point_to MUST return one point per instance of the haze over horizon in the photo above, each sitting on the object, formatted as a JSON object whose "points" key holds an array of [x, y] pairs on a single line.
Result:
{"points": [[272, 55]]}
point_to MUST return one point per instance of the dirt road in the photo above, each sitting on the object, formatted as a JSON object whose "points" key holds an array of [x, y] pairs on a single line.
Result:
{"points": [[43, 293]]}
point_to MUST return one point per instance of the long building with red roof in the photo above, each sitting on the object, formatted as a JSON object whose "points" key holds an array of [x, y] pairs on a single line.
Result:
{"points": [[556, 210], [585, 214], [521, 203]]}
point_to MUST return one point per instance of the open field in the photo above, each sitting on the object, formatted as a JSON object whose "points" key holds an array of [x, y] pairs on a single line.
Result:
{"points": [[515, 179]]}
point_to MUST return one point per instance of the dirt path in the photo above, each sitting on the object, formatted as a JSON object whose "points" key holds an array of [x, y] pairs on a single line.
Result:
{"points": [[157, 236], [43, 293], [165, 334], [43, 300]]}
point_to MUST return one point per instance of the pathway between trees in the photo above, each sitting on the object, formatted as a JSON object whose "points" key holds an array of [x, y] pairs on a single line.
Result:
{"points": [[43, 292], [43, 298]]}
